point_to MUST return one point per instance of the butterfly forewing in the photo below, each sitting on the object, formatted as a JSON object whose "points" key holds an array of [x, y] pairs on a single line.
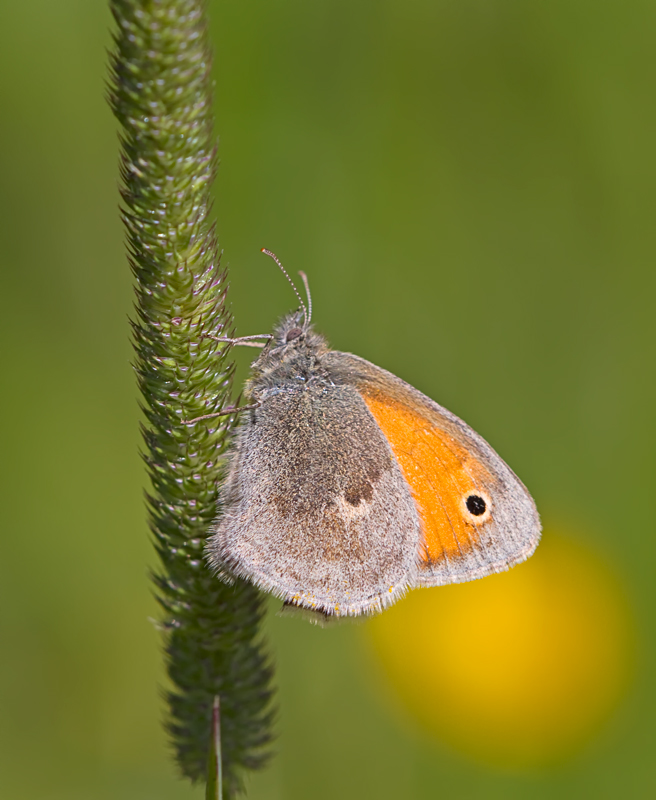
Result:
{"points": [[476, 516]]}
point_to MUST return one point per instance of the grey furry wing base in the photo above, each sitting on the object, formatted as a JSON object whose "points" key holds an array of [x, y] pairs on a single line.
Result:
{"points": [[315, 508]]}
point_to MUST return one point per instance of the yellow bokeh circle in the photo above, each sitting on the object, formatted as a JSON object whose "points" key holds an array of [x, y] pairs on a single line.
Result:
{"points": [[518, 669]]}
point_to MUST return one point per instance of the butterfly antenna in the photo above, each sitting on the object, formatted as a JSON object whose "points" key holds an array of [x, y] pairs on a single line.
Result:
{"points": [[284, 272], [307, 292]]}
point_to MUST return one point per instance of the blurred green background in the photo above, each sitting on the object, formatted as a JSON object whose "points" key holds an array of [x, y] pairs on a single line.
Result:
{"points": [[470, 187]]}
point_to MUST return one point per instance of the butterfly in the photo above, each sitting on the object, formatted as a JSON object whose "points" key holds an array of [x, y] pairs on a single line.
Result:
{"points": [[346, 486]]}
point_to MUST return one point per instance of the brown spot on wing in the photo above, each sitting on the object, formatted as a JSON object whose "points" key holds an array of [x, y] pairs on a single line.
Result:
{"points": [[357, 492], [441, 474]]}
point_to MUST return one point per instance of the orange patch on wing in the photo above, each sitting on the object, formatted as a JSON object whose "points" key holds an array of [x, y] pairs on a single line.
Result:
{"points": [[440, 473]]}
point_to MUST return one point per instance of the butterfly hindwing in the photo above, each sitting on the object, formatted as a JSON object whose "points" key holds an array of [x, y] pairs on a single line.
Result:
{"points": [[315, 509]]}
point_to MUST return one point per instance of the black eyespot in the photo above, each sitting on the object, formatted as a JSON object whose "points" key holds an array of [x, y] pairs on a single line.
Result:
{"points": [[294, 333], [476, 505]]}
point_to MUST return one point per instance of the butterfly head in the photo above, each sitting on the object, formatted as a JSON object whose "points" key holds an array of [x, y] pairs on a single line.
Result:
{"points": [[291, 330], [293, 337]]}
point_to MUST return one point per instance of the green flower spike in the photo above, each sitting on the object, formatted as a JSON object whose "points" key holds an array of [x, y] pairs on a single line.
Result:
{"points": [[160, 92]]}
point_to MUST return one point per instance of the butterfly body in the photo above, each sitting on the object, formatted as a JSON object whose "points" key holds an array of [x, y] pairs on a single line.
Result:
{"points": [[346, 486]]}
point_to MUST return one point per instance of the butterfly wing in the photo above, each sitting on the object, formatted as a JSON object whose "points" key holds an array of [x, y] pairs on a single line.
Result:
{"points": [[315, 508], [477, 517]]}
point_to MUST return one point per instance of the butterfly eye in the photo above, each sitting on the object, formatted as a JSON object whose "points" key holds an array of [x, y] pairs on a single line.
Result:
{"points": [[294, 333], [478, 506]]}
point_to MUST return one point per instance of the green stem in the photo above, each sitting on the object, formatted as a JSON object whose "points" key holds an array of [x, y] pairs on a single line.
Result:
{"points": [[161, 94], [214, 785]]}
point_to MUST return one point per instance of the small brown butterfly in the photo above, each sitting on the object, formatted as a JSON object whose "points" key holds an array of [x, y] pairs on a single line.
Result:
{"points": [[346, 486]]}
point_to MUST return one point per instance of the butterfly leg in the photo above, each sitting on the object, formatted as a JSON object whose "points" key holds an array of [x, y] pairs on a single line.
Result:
{"points": [[223, 413], [243, 341]]}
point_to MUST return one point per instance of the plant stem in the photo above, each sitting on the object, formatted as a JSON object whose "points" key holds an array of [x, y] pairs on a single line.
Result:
{"points": [[215, 763], [161, 94]]}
